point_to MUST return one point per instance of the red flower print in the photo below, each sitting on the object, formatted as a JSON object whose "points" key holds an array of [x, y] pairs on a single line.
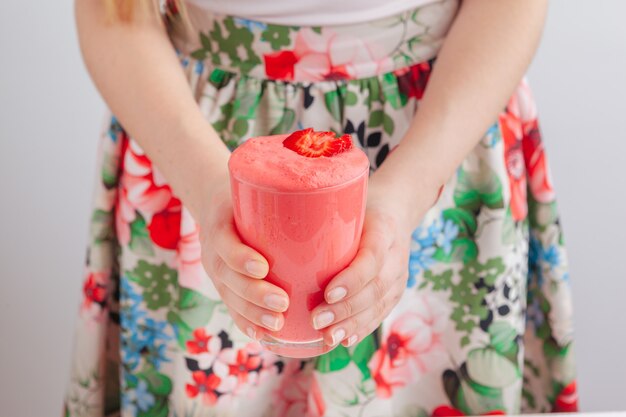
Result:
{"points": [[412, 80], [191, 273], [94, 289], [200, 342], [165, 226], [326, 56], [145, 190], [205, 386], [339, 72], [447, 411], [411, 347], [511, 127], [567, 400], [243, 364], [280, 65], [540, 182], [299, 394], [238, 367]]}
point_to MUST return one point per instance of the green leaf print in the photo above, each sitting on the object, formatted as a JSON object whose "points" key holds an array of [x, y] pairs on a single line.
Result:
{"points": [[478, 187], [439, 282], [110, 175], [285, 124], [236, 42], [199, 54], [465, 295], [464, 219], [391, 92], [182, 329], [193, 310], [333, 104], [503, 338], [541, 215], [388, 124], [414, 43], [102, 224], [140, 242], [363, 353], [351, 98], [246, 104], [158, 384], [463, 249], [157, 281], [205, 42], [487, 367], [334, 360], [277, 36], [376, 118], [530, 398], [240, 128], [472, 402]]}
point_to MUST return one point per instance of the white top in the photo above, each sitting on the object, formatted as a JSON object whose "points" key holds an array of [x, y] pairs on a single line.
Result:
{"points": [[310, 12]]}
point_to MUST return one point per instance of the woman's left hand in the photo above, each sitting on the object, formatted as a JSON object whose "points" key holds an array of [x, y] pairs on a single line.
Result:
{"points": [[363, 294]]}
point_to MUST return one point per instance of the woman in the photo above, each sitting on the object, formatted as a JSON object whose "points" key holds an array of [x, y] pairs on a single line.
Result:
{"points": [[458, 300]]}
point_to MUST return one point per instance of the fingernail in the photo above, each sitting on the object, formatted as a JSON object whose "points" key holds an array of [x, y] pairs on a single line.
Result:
{"points": [[351, 340], [338, 336], [256, 268], [251, 333], [276, 302], [336, 294], [269, 321], [323, 319]]}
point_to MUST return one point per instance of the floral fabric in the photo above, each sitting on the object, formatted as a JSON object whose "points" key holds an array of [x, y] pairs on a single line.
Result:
{"points": [[485, 324]]}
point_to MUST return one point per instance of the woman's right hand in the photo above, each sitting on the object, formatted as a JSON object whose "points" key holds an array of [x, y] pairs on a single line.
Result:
{"points": [[237, 270]]}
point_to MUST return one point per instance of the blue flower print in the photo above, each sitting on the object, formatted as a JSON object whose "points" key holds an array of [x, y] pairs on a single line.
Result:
{"points": [[250, 24], [137, 399]]}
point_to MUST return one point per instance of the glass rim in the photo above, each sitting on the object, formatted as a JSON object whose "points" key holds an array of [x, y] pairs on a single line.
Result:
{"points": [[309, 191]]}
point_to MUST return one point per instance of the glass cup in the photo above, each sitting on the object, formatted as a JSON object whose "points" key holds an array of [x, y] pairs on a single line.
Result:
{"points": [[307, 237]]}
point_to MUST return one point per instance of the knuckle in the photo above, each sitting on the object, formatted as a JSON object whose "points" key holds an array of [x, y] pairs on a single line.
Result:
{"points": [[352, 325], [218, 267], [348, 307], [249, 289], [380, 288], [249, 311], [381, 307]]}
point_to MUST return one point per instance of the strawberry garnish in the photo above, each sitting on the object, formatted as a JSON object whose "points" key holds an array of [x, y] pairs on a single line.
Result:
{"points": [[314, 144]]}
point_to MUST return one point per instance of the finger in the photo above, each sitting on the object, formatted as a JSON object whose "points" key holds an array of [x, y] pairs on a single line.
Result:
{"points": [[258, 292], [376, 289], [246, 326], [238, 256], [327, 314], [363, 323], [375, 244], [254, 314]]}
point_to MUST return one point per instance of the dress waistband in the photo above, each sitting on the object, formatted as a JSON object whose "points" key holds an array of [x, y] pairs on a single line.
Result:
{"points": [[311, 54]]}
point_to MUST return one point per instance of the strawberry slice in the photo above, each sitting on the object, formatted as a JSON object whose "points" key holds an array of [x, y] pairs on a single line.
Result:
{"points": [[314, 144]]}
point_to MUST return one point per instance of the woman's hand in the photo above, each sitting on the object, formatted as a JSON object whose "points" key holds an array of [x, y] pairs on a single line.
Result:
{"points": [[237, 271], [363, 294]]}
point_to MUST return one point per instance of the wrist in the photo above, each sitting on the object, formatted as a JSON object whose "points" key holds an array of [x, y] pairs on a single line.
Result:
{"points": [[198, 168]]}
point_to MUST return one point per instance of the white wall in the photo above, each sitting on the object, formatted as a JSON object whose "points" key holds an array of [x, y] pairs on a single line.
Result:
{"points": [[51, 115]]}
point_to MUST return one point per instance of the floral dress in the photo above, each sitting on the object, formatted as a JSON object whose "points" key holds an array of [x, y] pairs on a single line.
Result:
{"points": [[485, 324]]}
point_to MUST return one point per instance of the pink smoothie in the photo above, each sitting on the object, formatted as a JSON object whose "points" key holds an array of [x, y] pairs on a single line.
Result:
{"points": [[305, 215]]}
